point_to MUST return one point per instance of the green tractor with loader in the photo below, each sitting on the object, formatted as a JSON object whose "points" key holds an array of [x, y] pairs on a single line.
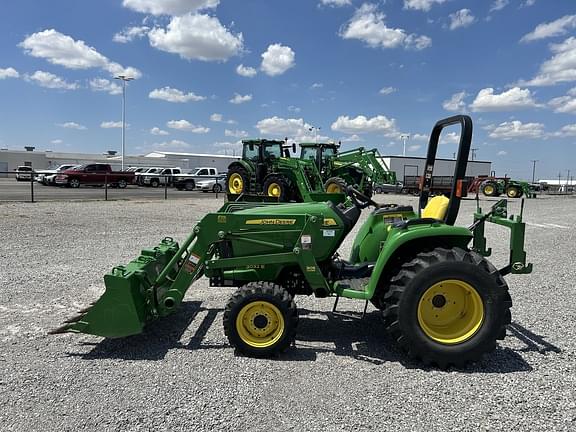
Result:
{"points": [[266, 170], [359, 168], [441, 300]]}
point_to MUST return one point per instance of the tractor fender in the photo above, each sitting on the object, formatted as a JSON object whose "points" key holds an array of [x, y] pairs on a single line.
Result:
{"points": [[242, 163], [405, 243]]}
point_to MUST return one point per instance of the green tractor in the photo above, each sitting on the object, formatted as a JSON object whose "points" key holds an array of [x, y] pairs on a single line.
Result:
{"points": [[267, 170], [496, 186], [359, 168], [442, 301]]}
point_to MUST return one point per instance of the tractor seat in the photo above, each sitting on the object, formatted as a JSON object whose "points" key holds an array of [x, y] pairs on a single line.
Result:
{"points": [[436, 208]]}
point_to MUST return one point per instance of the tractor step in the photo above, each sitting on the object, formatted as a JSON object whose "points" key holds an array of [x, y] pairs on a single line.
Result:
{"points": [[355, 316]]}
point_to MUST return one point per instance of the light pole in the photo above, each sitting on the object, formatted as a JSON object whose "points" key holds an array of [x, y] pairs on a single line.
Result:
{"points": [[404, 138], [474, 150], [316, 130], [124, 80], [533, 169]]}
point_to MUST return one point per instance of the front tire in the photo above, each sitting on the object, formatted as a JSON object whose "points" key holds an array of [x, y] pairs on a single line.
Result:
{"points": [[447, 307], [154, 183], [276, 186], [335, 185], [490, 189], [74, 183], [122, 184], [513, 192], [260, 319]]}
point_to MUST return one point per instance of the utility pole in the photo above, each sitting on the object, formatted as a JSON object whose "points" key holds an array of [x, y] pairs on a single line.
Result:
{"points": [[534, 169], [473, 153], [124, 80], [404, 138]]}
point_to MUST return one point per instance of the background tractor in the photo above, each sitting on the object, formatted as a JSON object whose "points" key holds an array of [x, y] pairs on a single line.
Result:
{"points": [[359, 168], [266, 169], [496, 186], [441, 300]]}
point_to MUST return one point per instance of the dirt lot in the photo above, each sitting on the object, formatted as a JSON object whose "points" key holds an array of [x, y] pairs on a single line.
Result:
{"points": [[342, 375]]}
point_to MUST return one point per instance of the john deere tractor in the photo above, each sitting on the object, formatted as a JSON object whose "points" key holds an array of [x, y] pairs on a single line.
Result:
{"points": [[359, 168], [496, 186], [442, 301], [266, 169]]}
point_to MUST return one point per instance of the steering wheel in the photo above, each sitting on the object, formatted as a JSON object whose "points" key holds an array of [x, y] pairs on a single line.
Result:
{"points": [[359, 199]]}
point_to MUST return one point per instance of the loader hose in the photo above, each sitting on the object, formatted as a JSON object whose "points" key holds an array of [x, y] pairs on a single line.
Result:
{"points": [[359, 199]]}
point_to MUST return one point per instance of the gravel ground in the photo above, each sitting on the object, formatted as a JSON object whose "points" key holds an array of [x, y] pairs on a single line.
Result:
{"points": [[182, 375]]}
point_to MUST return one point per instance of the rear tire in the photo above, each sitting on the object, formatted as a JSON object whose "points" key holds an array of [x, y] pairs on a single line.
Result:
{"points": [[513, 192], [335, 185], [277, 186], [260, 319], [490, 189], [237, 180], [189, 185], [217, 188], [154, 183], [122, 184], [447, 307]]}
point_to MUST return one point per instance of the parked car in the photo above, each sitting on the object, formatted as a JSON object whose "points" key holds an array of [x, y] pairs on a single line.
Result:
{"points": [[388, 188], [23, 173], [95, 175], [188, 181], [215, 185], [164, 176], [47, 177], [140, 174]]}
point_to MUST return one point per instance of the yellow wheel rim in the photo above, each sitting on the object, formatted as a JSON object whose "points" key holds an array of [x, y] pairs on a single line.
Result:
{"points": [[450, 312], [274, 190], [334, 188], [236, 183], [489, 190], [512, 193], [260, 324]]}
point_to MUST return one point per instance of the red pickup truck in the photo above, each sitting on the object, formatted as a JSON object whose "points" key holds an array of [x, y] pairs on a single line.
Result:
{"points": [[94, 174]]}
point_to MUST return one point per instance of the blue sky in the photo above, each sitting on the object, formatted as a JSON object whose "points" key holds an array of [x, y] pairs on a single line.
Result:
{"points": [[211, 72]]}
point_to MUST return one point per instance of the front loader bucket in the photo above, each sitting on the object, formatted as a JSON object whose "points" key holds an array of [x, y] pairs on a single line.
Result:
{"points": [[128, 302]]}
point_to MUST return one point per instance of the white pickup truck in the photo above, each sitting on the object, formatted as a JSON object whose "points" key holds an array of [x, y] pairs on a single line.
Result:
{"points": [[160, 177], [188, 181]]}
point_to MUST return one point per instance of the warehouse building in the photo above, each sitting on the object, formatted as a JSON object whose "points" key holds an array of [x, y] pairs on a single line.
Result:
{"points": [[408, 166]]}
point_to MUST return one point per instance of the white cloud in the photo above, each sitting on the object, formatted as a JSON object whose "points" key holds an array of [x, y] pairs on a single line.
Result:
{"points": [[197, 37], [71, 125], [387, 90], [174, 145], [8, 73], [184, 125], [423, 5], [169, 7], [317, 85], [456, 102], [502, 153], [62, 50], [528, 3], [111, 125], [565, 104], [104, 85], [336, 3], [239, 99], [499, 5], [277, 59], [559, 27], [560, 68], [169, 94], [48, 80], [450, 138], [131, 33], [235, 133], [56, 141], [419, 137], [513, 99], [461, 18], [216, 117], [414, 147], [368, 25], [566, 131], [246, 71], [296, 129], [294, 109], [516, 129], [157, 131], [228, 148], [361, 124], [352, 138]]}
